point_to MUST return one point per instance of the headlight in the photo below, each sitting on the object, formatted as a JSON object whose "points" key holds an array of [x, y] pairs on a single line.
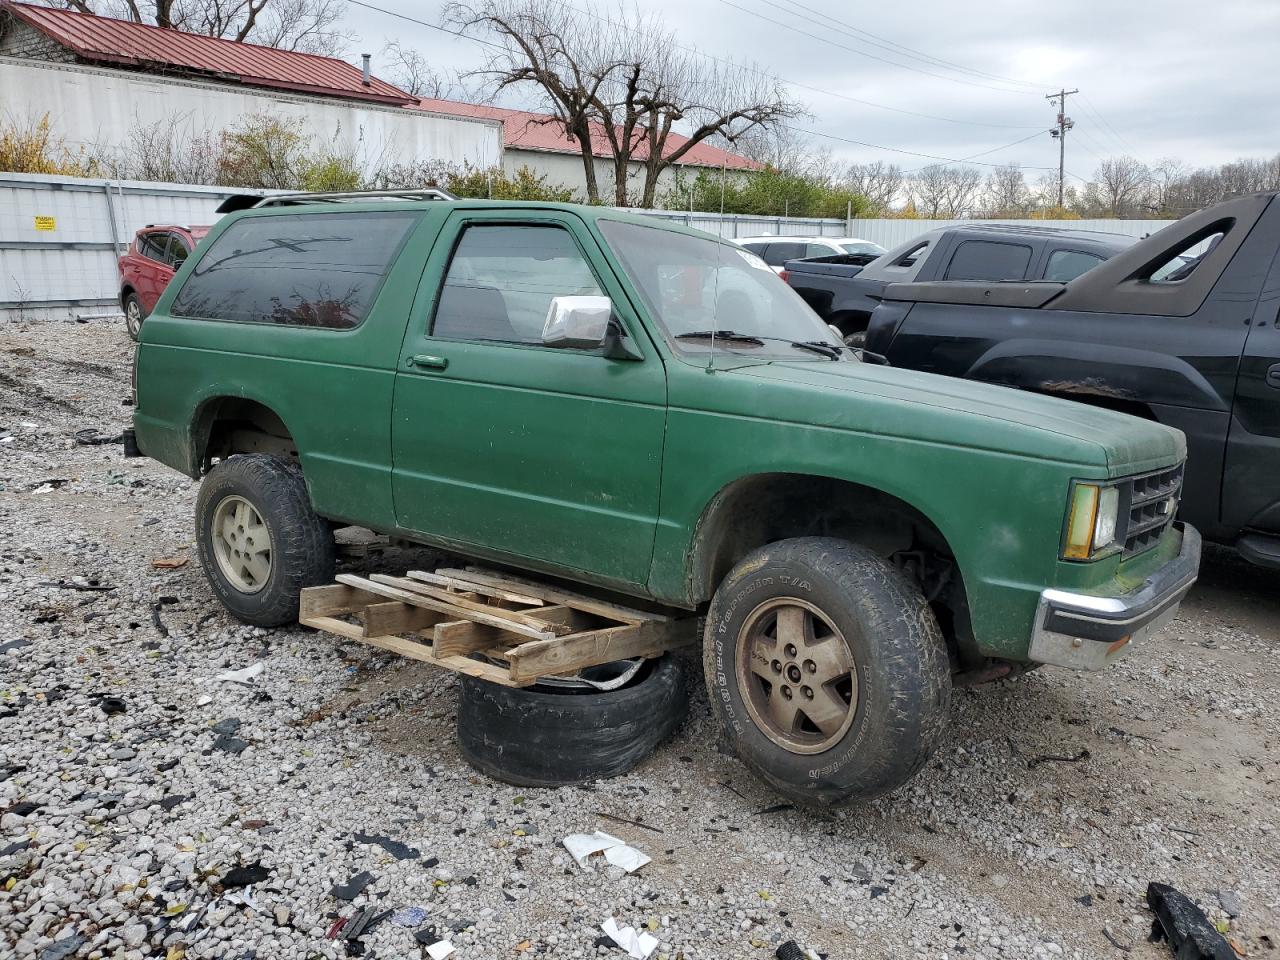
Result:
{"points": [[1091, 521]]}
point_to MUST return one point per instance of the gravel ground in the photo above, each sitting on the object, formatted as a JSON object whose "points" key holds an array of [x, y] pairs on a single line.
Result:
{"points": [[216, 818]]}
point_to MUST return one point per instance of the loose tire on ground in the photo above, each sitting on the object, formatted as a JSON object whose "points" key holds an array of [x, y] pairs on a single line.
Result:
{"points": [[540, 737], [244, 501], [789, 619], [133, 315]]}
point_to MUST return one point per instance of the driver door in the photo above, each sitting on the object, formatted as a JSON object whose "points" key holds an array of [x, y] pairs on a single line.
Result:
{"points": [[516, 449]]}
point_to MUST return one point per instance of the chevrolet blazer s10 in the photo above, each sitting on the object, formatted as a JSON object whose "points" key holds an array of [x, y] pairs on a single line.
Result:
{"points": [[647, 409]]}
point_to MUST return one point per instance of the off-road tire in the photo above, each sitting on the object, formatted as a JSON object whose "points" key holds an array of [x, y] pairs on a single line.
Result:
{"points": [[543, 737], [134, 314], [302, 553], [899, 660]]}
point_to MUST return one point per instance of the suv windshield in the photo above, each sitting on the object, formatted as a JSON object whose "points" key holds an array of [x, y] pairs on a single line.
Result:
{"points": [[693, 285]]}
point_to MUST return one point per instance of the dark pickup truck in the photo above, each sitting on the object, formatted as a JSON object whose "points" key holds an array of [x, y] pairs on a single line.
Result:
{"points": [[844, 293], [1182, 328]]}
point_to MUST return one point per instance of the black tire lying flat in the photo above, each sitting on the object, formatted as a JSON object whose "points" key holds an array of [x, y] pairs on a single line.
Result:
{"points": [[843, 695], [301, 546], [544, 737]]}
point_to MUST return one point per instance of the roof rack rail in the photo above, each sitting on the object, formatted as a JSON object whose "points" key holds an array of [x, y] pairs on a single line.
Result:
{"points": [[285, 199]]}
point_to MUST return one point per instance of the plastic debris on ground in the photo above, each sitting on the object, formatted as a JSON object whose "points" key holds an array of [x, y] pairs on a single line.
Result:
{"points": [[409, 916], [1190, 934], [582, 846], [439, 950], [638, 945], [240, 676]]}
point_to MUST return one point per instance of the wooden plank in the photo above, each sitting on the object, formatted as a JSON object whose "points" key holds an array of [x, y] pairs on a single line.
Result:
{"points": [[333, 598], [569, 654], [555, 595], [481, 588], [542, 632], [460, 601], [417, 651], [392, 617], [458, 638]]}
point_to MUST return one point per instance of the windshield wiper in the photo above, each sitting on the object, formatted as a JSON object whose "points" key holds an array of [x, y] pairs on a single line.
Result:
{"points": [[731, 335], [828, 350], [818, 346]]}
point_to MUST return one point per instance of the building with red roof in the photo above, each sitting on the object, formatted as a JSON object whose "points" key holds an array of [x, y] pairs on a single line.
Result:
{"points": [[99, 78], [539, 141]]}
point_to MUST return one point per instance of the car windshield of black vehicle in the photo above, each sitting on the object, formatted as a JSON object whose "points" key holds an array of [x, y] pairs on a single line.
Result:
{"points": [[694, 286], [1183, 263]]}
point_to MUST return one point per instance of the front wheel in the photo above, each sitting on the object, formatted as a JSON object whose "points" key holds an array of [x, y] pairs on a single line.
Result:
{"points": [[260, 541], [827, 669]]}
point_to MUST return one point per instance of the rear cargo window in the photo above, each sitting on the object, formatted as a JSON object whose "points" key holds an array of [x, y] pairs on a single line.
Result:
{"points": [[987, 260], [309, 270], [1065, 265]]}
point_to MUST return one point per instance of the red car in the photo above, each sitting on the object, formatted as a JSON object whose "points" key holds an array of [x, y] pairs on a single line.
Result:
{"points": [[149, 264]]}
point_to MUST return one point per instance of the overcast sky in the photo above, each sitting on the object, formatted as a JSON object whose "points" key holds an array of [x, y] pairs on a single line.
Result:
{"points": [[1189, 79]]}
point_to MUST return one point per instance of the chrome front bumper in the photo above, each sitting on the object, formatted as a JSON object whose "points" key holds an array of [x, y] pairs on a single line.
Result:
{"points": [[1086, 632]]}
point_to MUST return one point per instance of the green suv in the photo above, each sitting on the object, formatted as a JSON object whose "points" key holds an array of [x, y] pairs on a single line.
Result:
{"points": [[617, 401]]}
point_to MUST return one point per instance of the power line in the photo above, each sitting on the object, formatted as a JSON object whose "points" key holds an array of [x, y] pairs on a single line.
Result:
{"points": [[911, 153], [795, 83], [1088, 105], [885, 43], [814, 133], [870, 56]]}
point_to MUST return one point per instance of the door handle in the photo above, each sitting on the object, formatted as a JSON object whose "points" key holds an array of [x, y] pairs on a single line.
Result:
{"points": [[427, 362], [1273, 376]]}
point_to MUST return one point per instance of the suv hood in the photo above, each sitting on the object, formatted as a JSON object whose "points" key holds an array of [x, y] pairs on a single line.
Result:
{"points": [[971, 414]]}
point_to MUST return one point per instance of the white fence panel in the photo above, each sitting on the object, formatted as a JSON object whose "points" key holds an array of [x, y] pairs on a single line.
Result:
{"points": [[889, 233]]}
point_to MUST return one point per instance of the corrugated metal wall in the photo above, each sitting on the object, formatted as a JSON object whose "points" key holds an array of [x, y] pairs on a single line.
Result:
{"points": [[890, 233], [60, 236]]}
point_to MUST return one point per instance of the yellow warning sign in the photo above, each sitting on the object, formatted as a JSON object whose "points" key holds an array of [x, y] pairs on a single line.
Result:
{"points": [[46, 223]]}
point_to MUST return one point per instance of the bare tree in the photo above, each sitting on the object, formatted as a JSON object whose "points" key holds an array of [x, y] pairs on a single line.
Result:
{"points": [[305, 26], [945, 192], [623, 82], [881, 183], [1120, 183], [1007, 194], [408, 69]]}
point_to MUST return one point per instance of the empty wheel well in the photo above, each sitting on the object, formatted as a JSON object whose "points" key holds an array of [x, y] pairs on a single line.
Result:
{"points": [[233, 425], [765, 508]]}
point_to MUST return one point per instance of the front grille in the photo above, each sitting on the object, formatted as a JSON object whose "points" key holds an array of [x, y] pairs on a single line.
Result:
{"points": [[1153, 503]]}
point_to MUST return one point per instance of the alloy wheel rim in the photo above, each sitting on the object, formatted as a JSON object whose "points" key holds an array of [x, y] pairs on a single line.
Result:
{"points": [[241, 544], [133, 315], [797, 675]]}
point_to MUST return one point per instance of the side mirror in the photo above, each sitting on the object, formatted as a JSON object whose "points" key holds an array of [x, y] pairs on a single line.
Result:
{"points": [[580, 322]]}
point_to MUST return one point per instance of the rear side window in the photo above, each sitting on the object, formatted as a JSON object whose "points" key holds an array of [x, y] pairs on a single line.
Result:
{"points": [[987, 260], [817, 250], [502, 279], [776, 254], [756, 248], [309, 270], [1065, 265]]}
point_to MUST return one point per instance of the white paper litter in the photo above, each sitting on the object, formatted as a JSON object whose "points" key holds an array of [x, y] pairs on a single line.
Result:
{"points": [[439, 950], [582, 846], [637, 945], [241, 676]]}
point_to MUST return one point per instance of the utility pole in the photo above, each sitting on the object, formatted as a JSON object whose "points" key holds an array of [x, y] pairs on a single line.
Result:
{"points": [[1065, 123]]}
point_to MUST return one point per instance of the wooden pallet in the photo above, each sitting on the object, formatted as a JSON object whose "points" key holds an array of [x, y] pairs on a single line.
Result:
{"points": [[524, 629]]}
